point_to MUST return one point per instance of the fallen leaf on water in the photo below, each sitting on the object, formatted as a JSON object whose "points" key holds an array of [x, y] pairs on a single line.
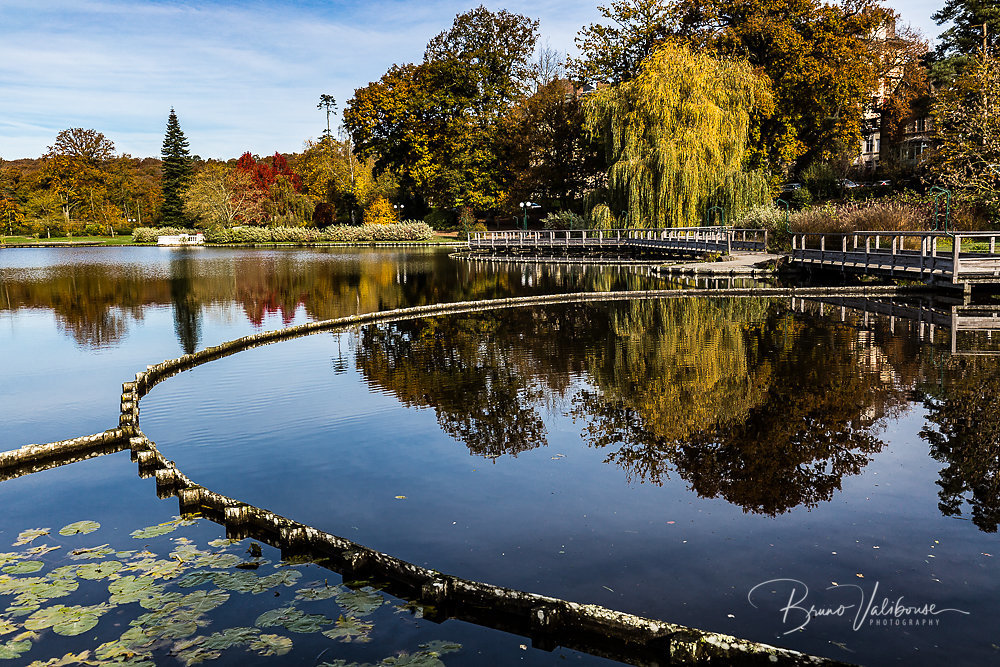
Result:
{"points": [[400, 497], [671, 522], [859, 575]]}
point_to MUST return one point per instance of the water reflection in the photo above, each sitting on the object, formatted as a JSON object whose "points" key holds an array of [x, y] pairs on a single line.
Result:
{"points": [[963, 432], [738, 397], [97, 301]]}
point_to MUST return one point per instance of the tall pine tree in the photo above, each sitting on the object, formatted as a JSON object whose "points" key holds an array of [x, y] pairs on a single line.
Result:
{"points": [[176, 170]]}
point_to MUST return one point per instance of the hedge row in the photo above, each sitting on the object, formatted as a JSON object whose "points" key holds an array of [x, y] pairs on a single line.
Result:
{"points": [[404, 231]]}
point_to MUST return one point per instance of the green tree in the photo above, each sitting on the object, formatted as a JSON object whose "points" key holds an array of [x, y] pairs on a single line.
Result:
{"points": [[612, 52], [966, 117], [328, 104], [177, 171], [551, 158], [435, 125], [969, 23], [676, 137], [823, 61]]}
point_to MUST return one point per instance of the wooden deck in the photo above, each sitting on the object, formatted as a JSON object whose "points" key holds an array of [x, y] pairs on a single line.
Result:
{"points": [[677, 240], [960, 259]]}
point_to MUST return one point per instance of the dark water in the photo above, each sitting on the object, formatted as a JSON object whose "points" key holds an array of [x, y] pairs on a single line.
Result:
{"points": [[659, 457]]}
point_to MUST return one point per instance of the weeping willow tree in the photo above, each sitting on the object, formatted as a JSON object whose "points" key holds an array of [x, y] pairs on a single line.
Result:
{"points": [[676, 138]]}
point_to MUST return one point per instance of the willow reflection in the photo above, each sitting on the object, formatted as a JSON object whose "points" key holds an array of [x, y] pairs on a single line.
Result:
{"points": [[737, 397]]}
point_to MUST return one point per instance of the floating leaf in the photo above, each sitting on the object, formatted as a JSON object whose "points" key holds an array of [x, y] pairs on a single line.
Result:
{"points": [[196, 655], [26, 536], [350, 629], [95, 571], [218, 561], [196, 579], [42, 549], [230, 637], [79, 528], [93, 553], [6, 627], [153, 531], [271, 645], [293, 619], [66, 621], [64, 572], [241, 581], [37, 592], [16, 647], [222, 543], [361, 602], [323, 592], [286, 578], [201, 602], [24, 567], [9, 557], [65, 661], [22, 610], [133, 589]]}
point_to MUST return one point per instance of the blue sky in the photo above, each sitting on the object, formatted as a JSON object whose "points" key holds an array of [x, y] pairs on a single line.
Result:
{"points": [[242, 75]]}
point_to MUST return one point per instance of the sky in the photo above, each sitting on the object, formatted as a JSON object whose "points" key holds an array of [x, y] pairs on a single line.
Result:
{"points": [[242, 75]]}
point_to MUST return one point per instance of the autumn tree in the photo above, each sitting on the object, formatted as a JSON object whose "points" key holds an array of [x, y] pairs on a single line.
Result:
{"points": [[222, 196], [434, 125], [612, 52], [336, 180], [177, 171], [552, 159], [676, 137]]}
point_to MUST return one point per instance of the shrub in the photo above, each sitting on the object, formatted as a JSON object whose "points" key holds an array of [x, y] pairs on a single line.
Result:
{"points": [[380, 212], [441, 219], [564, 220], [800, 199], [410, 230], [821, 180], [149, 234]]}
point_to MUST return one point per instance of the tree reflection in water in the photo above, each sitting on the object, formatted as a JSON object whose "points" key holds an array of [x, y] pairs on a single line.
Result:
{"points": [[737, 397], [963, 431]]}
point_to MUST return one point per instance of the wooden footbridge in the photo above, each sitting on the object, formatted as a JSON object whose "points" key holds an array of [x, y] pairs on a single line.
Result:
{"points": [[959, 259], [971, 329], [666, 241]]}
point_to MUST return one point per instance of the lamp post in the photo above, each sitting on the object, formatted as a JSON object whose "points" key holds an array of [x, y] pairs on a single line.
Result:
{"points": [[936, 193], [524, 209], [399, 211]]}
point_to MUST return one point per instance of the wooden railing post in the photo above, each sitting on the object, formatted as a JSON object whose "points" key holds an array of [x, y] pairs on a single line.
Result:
{"points": [[956, 251]]}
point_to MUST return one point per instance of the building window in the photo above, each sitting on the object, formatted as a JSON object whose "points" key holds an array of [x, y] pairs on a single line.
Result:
{"points": [[870, 144], [919, 125]]}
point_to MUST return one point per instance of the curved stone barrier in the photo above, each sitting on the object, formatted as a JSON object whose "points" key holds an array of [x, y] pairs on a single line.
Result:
{"points": [[548, 621]]}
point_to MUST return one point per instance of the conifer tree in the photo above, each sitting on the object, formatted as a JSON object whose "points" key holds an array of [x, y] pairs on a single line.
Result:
{"points": [[176, 170]]}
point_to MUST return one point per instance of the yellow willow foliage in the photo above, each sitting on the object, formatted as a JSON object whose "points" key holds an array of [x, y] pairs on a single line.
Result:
{"points": [[676, 137]]}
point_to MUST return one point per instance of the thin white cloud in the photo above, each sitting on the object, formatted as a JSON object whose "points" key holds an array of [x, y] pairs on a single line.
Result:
{"points": [[242, 75]]}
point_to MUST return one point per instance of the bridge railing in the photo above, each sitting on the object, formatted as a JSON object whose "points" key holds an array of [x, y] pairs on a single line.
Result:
{"points": [[718, 236], [956, 255]]}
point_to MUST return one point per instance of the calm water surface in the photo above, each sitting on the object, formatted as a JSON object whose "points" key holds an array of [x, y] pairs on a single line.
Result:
{"points": [[659, 457]]}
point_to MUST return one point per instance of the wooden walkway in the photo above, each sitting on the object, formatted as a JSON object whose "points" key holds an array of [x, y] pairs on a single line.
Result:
{"points": [[977, 325], [677, 240], [960, 259]]}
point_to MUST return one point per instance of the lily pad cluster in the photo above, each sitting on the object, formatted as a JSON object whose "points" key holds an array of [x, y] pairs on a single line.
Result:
{"points": [[163, 595]]}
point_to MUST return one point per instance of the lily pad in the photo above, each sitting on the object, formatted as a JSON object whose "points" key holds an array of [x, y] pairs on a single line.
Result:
{"points": [[95, 571], [24, 567], [66, 621], [230, 637], [196, 579], [6, 627], [271, 645], [27, 536], [79, 528], [9, 557], [42, 549], [293, 619], [92, 553], [320, 592], [350, 629], [202, 602], [153, 531], [16, 647], [361, 602], [222, 543], [133, 589]]}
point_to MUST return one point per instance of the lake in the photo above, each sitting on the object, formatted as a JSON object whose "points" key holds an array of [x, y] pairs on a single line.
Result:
{"points": [[705, 461]]}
